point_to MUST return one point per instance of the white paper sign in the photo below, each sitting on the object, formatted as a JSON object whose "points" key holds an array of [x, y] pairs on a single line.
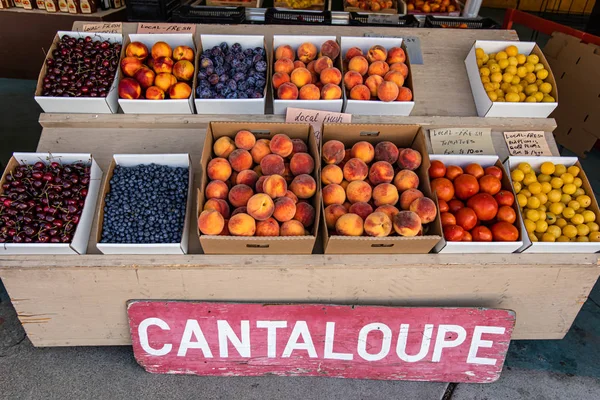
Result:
{"points": [[384, 19], [462, 141], [104, 27], [316, 118], [527, 143], [163, 27]]}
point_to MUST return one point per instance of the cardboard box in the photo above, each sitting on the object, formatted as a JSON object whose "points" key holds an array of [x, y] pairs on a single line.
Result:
{"points": [[82, 232], [556, 247], [402, 136], [89, 105], [280, 106], [487, 108], [131, 160], [576, 66], [232, 106], [167, 106], [481, 247], [255, 244], [376, 107]]}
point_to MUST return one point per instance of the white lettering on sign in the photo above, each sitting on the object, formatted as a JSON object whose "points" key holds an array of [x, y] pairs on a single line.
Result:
{"points": [[462, 141], [271, 335], [442, 342], [300, 330], [477, 342], [227, 334], [161, 27], [104, 27], [316, 118], [329, 340], [386, 342], [528, 143], [403, 339], [143, 334], [192, 330]]}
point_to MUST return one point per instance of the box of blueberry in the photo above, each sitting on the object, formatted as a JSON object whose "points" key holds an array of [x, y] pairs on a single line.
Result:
{"points": [[145, 205], [232, 74], [47, 203]]}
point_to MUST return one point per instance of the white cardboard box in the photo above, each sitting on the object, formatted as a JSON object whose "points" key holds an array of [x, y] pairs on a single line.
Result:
{"points": [[91, 105], [131, 160], [487, 108], [557, 247], [82, 232], [280, 106], [376, 107], [479, 247], [233, 106], [167, 106]]}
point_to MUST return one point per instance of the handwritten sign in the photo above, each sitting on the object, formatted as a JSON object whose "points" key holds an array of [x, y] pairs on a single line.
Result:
{"points": [[104, 27], [316, 118], [527, 143], [462, 141], [162, 27], [384, 19], [412, 43]]}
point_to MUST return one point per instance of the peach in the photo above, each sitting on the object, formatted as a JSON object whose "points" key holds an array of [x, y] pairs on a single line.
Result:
{"points": [[409, 159], [258, 170], [268, 227], [211, 222], [292, 228], [279, 78], [272, 164], [377, 53], [359, 64], [396, 77], [331, 75], [260, 206], [240, 160], [361, 209], [287, 173], [333, 194], [281, 145], [246, 177], [285, 209], [223, 146], [378, 68], [309, 92], [385, 194], [332, 213], [302, 163], [352, 78], [183, 70], [311, 67], [307, 52], [154, 93], [305, 214], [344, 184], [332, 174], [301, 77], [360, 92], [137, 50], [364, 151], [353, 52], [260, 150], [387, 91], [130, 65], [407, 223], [183, 53], [163, 64], [408, 196], [145, 77], [291, 195], [239, 210], [299, 64], [285, 51], [386, 151], [372, 83], [218, 169], [299, 146], [406, 179], [330, 49], [150, 64], [322, 63], [331, 91], [425, 208], [396, 55], [388, 210], [225, 231], [284, 66], [378, 224], [180, 90], [381, 172], [333, 152], [303, 186], [218, 205], [359, 191], [232, 179], [275, 186], [404, 94], [400, 67], [347, 205], [216, 190], [355, 170], [164, 81], [242, 225], [259, 186], [349, 225], [161, 49], [245, 140], [239, 195], [287, 91]]}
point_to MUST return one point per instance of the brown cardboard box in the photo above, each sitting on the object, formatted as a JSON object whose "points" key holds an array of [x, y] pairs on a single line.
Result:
{"points": [[576, 67], [402, 136], [253, 244]]}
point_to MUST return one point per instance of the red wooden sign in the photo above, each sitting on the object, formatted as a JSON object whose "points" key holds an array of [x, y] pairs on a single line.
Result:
{"points": [[399, 343]]}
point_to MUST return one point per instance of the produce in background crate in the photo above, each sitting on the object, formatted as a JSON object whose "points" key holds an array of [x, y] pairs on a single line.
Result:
{"points": [[259, 187], [300, 4], [554, 204], [435, 6], [513, 77], [310, 77], [473, 204], [373, 191], [379, 74], [158, 74], [371, 5]]}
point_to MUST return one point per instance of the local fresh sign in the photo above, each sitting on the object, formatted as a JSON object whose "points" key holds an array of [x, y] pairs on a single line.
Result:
{"points": [[399, 343]]}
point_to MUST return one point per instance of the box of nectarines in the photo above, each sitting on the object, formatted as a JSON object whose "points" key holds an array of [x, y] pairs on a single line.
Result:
{"points": [[376, 195], [477, 204], [377, 77], [157, 74], [557, 204], [259, 191], [79, 74], [306, 73]]}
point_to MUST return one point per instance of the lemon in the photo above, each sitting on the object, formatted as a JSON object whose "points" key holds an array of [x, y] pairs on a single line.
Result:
{"points": [[569, 188], [515, 80], [501, 55], [532, 215], [522, 200], [583, 230], [503, 64], [541, 226], [495, 69], [565, 198], [539, 96], [529, 178], [583, 239], [554, 195], [531, 89], [530, 99], [530, 78], [589, 216], [543, 74], [532, 237], [568, 213], [567, 178], [517, 175], [559, 169], [529, 225], [595, 236], [484, 71], [569, 231], [561, 222], [535, 188], [492, 95], [521, 72], [578, 182], [496, 76], [548, 99], [594, 227], [556, 183], [479, 53], [507, 77], [542, 198], [486, 58], [533, 202], [577, 219], [546, 187], [556, 208], [521, 59], [522, 97], [512, 97], [512, 61], [526, 192], [550, 218], [544, 178], [545, 88], [517, 186], [574, 204], [562, 239], [547, 168], [530, 68], [548, 237]]}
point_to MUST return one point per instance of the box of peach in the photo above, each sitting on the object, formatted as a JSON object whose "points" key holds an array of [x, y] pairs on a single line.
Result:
{"points": [[477, 204], [79, 74], [157, 74], [306, 73], [376, 195], [377, 78], [259, 191]]}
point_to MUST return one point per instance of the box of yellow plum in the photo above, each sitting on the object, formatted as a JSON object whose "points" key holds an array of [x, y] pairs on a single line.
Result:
{"points": [[556, 201], [300, 4], [503, 73]]}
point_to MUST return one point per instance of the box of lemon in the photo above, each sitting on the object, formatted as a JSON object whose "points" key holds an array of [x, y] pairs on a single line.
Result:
{"points": [[503, 73], [556, 201]]}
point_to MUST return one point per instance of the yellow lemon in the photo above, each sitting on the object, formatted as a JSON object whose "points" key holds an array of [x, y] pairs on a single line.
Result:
{"points": [[501, 55], [517, 186], [569, 188], [547, 167], [529, 225], [577, 219], [550, 218], [556, 208], [534, 202], [578, 182], [583, 230], [522, 199], [574, 204], [548, 99], [565, 198], [574, 170], [512, 97], [479, 53], [568, 213], [539, 96], [561, 222], [492, 95], [589, 216], [544, 178], [562, 239], [569, 231], [567, 178], [484, 71], [535, 188], [556, 183], [542, 74], [594, 227], [517, 175], [529, 178], [521, 59], [554, 195], [532, 215], [503, 63], [496, 76], [554, 231], [595, 237], [545, 88], [559, 169], [533, 59]]}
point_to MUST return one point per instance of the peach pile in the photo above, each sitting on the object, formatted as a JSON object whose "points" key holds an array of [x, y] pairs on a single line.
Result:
{"points": [[373, 190], [431, 6], [371, 5], [310, 77], [259, 187], [473, 204], [156, 75], [379, 74]]}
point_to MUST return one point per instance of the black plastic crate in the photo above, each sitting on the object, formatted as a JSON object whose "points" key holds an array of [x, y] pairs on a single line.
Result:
{"points": [[279, 16], [472, 23], [403, 21], [209, 15], [151, 10]]}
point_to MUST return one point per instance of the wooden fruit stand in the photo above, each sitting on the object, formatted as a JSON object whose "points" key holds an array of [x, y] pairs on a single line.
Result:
{"points": [[81, 300]]}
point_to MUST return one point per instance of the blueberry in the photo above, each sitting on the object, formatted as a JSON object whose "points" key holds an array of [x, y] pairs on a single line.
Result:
{"points": [[242, 95], [202, 75], [224, 47], [219, 70], [242, 84], [261, 66], [219, 86], [257, 58], [232, 95], [232, 84], [236, 48], [260, 51], [210, 70], [239, 76], [203, 83], [248, 53], [205, 93], [260, 84], [251, 81], [257, 95], [229, 58], [218, 61], [223, 78]]}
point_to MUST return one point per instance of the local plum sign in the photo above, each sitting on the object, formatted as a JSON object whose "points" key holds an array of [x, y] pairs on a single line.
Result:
{"points": [[396, 343]]}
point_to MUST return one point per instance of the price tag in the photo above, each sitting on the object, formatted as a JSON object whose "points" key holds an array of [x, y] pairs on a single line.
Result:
{"points": [[316, 118], [161, 27], [104, 27], [412, 43], [385, 19], [527, 143], [462, 141]]}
